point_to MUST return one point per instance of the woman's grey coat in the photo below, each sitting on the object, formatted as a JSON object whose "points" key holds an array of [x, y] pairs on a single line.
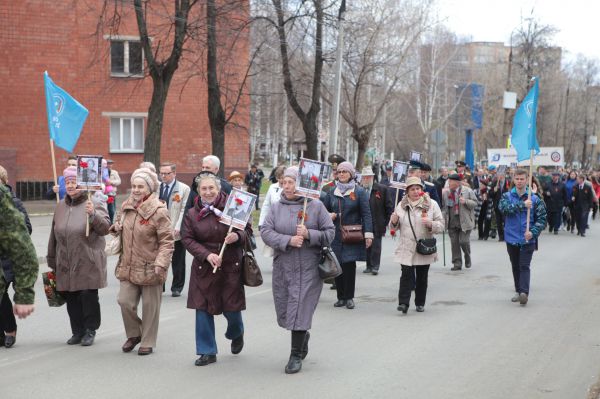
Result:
{"points": [[296, 282]]}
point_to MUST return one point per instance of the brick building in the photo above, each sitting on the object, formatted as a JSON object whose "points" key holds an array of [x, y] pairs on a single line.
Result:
{"points": [[106, 74]]}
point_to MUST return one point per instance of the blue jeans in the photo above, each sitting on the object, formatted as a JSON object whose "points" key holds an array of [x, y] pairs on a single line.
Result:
{"points": [[206, 343], [520, 259]]}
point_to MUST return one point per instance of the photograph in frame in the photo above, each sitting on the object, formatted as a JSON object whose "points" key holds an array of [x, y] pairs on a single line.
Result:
{"points": [[399, 174], [501, 169], [89, 172], [415, 156], [311, 175], [238, 209]]}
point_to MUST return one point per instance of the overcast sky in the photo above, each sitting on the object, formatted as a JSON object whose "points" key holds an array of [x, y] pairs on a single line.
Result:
{"points": [[493, 20]]}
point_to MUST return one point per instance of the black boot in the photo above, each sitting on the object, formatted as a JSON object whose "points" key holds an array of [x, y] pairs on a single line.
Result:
{"points": [[295, 363], [305, 346]]}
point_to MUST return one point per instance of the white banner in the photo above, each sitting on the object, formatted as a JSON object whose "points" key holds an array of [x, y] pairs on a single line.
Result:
{"points": [[548, 156]]}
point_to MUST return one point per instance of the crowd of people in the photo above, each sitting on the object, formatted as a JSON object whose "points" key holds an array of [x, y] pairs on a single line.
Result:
{"points": [[163, 218]]}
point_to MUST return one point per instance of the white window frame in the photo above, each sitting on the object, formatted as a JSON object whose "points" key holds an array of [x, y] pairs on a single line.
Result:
{"points": [[132, 116], [125, 40]]}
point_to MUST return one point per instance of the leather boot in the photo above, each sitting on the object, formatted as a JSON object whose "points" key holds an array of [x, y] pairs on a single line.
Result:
{"points": [[305, 346], [295, 363]]}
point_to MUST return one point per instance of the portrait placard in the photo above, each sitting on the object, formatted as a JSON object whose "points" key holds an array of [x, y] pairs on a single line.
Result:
{"points": [[311, 175], [501, 169], [89, 172], [238, 208], [415, 156], [399, 175]]}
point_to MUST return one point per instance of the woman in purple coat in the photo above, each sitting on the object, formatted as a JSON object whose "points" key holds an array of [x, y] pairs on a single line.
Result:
{"points": [[296, 282], [222, 291]]}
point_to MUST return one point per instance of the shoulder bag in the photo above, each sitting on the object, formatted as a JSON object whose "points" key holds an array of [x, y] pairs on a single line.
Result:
{"points": [[113, 246], [425, 246], [329, 267], [351, 233], [251, 275]]}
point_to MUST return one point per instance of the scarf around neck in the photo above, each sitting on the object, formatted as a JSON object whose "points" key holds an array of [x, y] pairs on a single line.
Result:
{"points": [[345, 187], [206, 208]]}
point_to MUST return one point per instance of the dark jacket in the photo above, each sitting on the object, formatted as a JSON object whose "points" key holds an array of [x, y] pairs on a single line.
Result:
{"points": [[583, 199], [440, 183], [225, 187], [253, 181], [502, 188], [222, 291], [7, 266], [351, 208], [556, 196], [380, 209]]}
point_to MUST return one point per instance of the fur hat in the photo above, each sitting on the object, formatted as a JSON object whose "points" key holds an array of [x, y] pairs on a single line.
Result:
{"points": [[235, 175], [148, 176]]}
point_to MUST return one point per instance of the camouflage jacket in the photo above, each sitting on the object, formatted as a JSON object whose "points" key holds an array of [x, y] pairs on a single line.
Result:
{"points": [[16, 245]]}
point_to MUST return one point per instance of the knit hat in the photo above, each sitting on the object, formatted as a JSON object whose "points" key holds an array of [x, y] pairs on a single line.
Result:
{"points": [[70, 173], [235, 175], [292, 172], [148, 176], [347, 166], [411, 181]]}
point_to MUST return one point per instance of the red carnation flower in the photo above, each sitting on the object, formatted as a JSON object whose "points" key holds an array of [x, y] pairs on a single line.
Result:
{"points": [[83, 164], [314, 178], [422, 193], [239, 201], [392, 232]]}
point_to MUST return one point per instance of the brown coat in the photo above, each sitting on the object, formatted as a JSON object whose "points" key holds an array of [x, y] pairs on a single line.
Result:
{"points": [[147, 242], [208, 291], [78, 261]]}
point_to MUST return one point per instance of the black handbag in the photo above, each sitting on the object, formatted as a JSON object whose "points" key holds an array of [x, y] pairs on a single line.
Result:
{"points": [[329, 267], [251, 275], [425, 246]]}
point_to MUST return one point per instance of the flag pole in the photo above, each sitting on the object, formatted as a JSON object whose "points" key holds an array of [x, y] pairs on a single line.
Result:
{"points": [[529, 187], [54, 168]]}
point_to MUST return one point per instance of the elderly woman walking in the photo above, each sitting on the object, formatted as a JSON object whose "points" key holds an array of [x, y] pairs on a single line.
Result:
{"points": [[79, 262], [416, 217], [348, 205], [296, 282], [215, 283], [147, 247]]}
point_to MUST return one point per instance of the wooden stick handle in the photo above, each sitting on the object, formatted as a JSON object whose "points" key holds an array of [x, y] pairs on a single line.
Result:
{"points": [[224, 245], [87, 219], [304, 211], [54, 168], [529, 187]]}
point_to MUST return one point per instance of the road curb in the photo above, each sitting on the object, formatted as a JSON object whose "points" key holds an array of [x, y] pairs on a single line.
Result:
{"points": [[41, 214]]}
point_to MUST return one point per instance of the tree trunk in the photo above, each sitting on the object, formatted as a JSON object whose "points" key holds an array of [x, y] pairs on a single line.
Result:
{"points": [[155, 121], [216, 114]]}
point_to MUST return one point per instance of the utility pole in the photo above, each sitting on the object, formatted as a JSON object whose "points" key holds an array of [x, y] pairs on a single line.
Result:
{"points": [[337, 88], [506, 122]]}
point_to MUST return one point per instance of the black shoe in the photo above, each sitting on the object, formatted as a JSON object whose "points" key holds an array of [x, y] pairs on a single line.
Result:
{"points": [[88, 338], [403, 308], [368, 270], [75, 339], [294, 364], [555, 232], [455, 268], [420, 309], [349, 304], [375, 272], [175, 294], [237, 344], [340, 303], [9, 341], [333, 287], [204, 360], [2, 338], [583, 234], [304, 350], [468, 266]]}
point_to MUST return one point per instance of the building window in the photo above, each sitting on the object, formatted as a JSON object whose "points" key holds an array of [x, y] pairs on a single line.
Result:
{"points": [[126, 58], [126, 134]]}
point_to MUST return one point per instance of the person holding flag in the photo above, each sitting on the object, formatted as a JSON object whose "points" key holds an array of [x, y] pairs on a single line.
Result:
{"points": [[522, 226]]}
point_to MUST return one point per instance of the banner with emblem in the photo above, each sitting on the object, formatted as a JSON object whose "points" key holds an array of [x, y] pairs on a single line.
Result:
{"points": [[548, 156]]}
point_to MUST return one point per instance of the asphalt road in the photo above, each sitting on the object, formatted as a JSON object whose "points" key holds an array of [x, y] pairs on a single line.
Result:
{"points": [[471, 342]]}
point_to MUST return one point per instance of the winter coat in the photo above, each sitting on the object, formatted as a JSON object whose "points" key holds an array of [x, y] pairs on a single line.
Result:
{"points": [[513, 208], [466, 211], [480, 202], [569, 184], [147, 242], [272, 196], [296, 282], [354, 210], [583, 199], [7, 266], [79, 262], [406, 251], [380, 209], [223, 290], [556, 196]]}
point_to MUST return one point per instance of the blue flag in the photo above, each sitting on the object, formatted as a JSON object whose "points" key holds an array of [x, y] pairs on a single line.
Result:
{"points": [[523, 137], [65, 115]]}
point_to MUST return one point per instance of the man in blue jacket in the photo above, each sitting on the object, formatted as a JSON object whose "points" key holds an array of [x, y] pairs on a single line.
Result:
{"points": [[520, 241]]}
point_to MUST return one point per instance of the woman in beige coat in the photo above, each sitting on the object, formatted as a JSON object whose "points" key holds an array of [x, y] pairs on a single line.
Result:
{"points": [[426, 218], [147, 247], [79, 262]]}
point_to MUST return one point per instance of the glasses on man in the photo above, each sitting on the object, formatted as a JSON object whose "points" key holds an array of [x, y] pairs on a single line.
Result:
{"points": [[165, 173]]}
